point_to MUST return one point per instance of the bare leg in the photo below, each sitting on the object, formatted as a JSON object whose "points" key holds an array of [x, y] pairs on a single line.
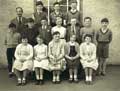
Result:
{"points": [[104, 66], [75, 74], [37, 73], [54, 76], [18, 74], [86, 74], [41, 74], [71, 74], [90, 74], [58, 75], [25, 72], [100, 65]]}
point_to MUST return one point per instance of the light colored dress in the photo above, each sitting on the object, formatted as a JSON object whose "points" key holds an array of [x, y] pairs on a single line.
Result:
{"points": [[40, 51], [56, 50], [88, 51], [24, 52]]}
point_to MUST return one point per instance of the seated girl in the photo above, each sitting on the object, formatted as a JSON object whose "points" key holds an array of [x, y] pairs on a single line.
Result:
{"points": [[41, 60], [72, 57], [56, 56], [88, 58], [23, 63]]}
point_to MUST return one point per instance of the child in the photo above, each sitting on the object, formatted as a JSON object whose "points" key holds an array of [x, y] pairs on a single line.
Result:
{"points": [[103, 37], [31, 32], [41, 60], [72, 58], [12, 39], [74, 13], [73, 29], [45, 31], [87, 29], [56, 13], [88, 58], [60, 29], [23, 63], [40, 13], [56, 57]]}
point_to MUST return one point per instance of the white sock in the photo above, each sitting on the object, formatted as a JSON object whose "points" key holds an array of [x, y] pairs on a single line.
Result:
{"points": [[24, 79], [75, 76], [54, 78], [41, 77], [71, 76], [87, 78], [58, 78], [90, 78], [37, 77]]}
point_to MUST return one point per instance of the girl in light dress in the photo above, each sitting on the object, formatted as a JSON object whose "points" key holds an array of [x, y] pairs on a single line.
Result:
{"points": [[88, 57], [23, 63], [41, 60]]}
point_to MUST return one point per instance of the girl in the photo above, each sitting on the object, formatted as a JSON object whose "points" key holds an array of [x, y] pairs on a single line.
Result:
{"points": [[72, 58], [41, 61], [56, 57], [88, 57], [23, 62]]}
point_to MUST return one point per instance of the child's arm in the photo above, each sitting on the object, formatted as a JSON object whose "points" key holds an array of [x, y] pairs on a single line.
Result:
{"points": [[31, 53], [110, 36]]}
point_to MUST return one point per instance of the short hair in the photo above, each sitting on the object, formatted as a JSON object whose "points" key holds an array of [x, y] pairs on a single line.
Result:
{"points": [[30, 20], [24, 36], [88, 18], [19, 8], [55, 33], [39, 36], [39, 3], [12, 25], [88, 35], [56, 3], [105, 20]]}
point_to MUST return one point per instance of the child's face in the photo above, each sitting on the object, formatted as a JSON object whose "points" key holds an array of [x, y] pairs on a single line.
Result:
{"points": [[73, 38], [59, 21], [57, 7], [39, 8], [74, 5], [25, 41], [87, 22], [39, 41], [88, 39], [30, 24], [13, 29], [104, 24], [56, 37], [43, 22]]}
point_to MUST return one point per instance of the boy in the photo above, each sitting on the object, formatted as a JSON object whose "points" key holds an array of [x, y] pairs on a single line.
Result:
{"points": [[103, 37], [12, 39], [87, 29], [45, 31]]}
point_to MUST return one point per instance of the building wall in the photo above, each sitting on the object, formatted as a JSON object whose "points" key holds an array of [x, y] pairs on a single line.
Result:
{"points": [[96, 9]]}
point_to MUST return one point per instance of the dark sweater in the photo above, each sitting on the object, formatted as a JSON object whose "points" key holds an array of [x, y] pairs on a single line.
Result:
{"points": [[104, 37]]}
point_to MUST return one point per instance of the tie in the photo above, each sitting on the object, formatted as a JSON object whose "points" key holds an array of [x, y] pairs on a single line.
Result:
{"points": [[20, 22]]}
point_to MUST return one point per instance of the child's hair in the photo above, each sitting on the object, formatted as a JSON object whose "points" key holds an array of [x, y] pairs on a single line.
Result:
{"points": [[30, 20], [39, 3], [73, 1], [105, 20], [19, 8], [88, 18], [88, 35], [12, 25], [56, 3], [55, 33], [24, 36], [39, 36]]}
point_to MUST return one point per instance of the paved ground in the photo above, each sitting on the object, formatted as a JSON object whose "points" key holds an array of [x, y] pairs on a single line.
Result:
{"points": [[111, 82]]}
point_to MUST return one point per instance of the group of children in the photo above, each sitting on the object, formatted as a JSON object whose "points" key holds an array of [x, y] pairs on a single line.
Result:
{"points": [[35, 46]]}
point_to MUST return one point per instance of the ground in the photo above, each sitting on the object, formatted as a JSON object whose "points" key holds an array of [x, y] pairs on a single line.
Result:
{"points": [[110, 82]]}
